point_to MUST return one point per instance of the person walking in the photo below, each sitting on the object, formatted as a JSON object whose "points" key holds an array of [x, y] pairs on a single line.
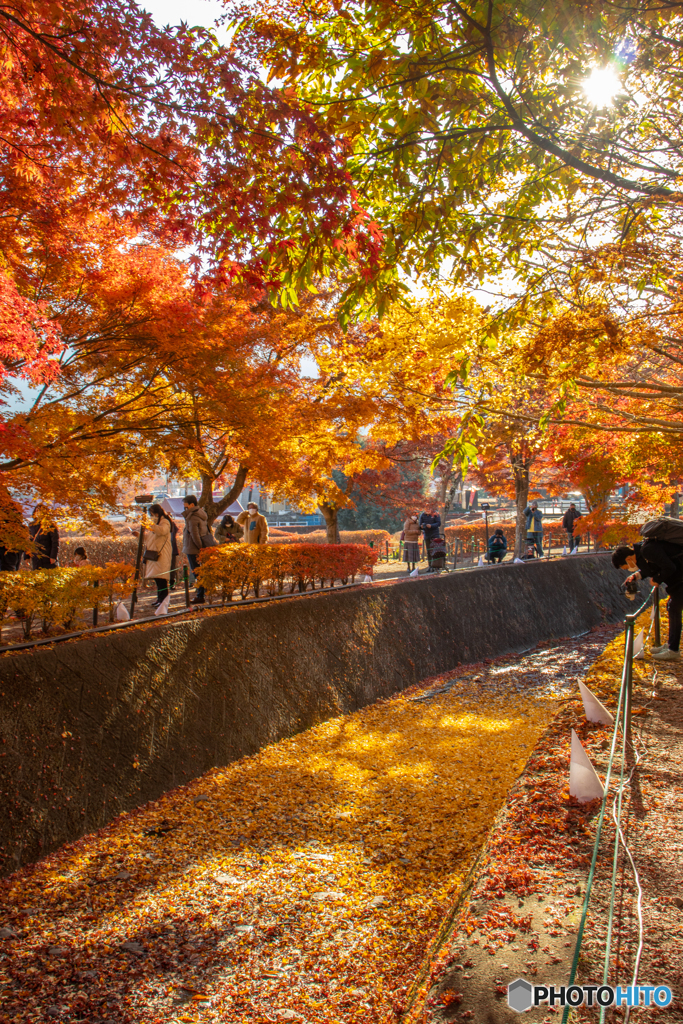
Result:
{"points": [[195, 537], [158, 551], [228, 531], [411, 541], [498, 546], [430, 525], [662, 562], [569, 520], [254, 525], [45, 536], [534, 527]]}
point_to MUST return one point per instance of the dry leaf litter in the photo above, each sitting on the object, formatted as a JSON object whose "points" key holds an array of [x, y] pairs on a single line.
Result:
{"points": [[304, 883]]}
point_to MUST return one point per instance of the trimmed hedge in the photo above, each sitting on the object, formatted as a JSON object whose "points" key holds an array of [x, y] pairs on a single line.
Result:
{"points": [[60, 596], [279, 568]]}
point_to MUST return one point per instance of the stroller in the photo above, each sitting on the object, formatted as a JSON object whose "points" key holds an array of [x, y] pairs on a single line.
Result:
{"points": [[438, 553]]}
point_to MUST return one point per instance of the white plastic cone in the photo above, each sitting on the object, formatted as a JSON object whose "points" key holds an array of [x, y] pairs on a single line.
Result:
{"points": [[520, 560], [564, 550], [639, 646], [481, 560], [163, 607], [367, 579], [584, 781], [593, 709], [415, 572], [122, 613]]}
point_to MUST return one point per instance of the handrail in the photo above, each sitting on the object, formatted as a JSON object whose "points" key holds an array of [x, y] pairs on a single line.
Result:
{"points": [[624, 706]]}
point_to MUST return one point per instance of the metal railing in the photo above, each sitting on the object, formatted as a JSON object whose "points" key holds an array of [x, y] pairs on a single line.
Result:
{"points": [[622, 720]]}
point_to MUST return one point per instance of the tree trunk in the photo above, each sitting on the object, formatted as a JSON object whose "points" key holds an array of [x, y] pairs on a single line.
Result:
{"points": [[520, 468], [330, 513], [213, 508], [449, 481]]}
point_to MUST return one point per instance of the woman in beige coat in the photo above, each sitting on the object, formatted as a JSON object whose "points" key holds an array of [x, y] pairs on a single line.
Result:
{"points": [[411, 541], [159, 538]]}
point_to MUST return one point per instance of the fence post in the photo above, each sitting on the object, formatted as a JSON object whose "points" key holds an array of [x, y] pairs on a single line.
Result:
{"points": [[95, 607], [455, 553], [658, 633], [138, 560], [628, 657], [186, 581], [387, 547]]}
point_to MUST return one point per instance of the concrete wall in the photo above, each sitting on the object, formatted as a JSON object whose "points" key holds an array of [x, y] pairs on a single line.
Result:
{"points": [[92, 727]]}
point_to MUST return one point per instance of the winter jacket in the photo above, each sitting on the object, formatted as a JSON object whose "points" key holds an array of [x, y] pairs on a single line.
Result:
{"points": [[430, 523], [228, 534], [569, 518], [411, 532], [196, 527], [497, 544], [534, 520], [255, 528], [158, 538], [660, 561], [48, 546]]}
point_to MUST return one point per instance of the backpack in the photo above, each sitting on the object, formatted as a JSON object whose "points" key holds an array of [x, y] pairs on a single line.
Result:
{"points": [[664, 529]]}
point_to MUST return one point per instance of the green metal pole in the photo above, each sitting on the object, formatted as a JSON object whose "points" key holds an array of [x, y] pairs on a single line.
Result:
{"points": [[628, 698]]}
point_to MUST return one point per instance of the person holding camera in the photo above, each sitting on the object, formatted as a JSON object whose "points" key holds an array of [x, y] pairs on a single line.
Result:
{"points": [[534, 527], [497, 547], [662, 562]]}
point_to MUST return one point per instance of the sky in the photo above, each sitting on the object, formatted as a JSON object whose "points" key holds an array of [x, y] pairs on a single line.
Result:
{"points": [[194, 12]]}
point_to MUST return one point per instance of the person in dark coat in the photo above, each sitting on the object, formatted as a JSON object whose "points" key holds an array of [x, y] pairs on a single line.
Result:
{"points": [[568, 522], [9, 560], [497, 548], [430, 525], [194, 538], [662, 562], [45, 536]]}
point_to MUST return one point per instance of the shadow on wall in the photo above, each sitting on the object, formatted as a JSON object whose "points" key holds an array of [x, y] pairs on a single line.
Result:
{"points": [[104, 724], [388, 805]]}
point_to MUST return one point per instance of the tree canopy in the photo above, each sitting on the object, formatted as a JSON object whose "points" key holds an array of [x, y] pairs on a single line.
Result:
{"points": [[476, 146]]}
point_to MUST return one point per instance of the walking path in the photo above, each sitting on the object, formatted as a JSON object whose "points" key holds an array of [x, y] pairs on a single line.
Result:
{"points": [[520, 915], [305, 883], [12, 634]]}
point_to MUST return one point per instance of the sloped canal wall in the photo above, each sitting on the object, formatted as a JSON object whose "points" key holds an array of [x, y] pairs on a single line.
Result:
{"points": [[93, 727]]}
